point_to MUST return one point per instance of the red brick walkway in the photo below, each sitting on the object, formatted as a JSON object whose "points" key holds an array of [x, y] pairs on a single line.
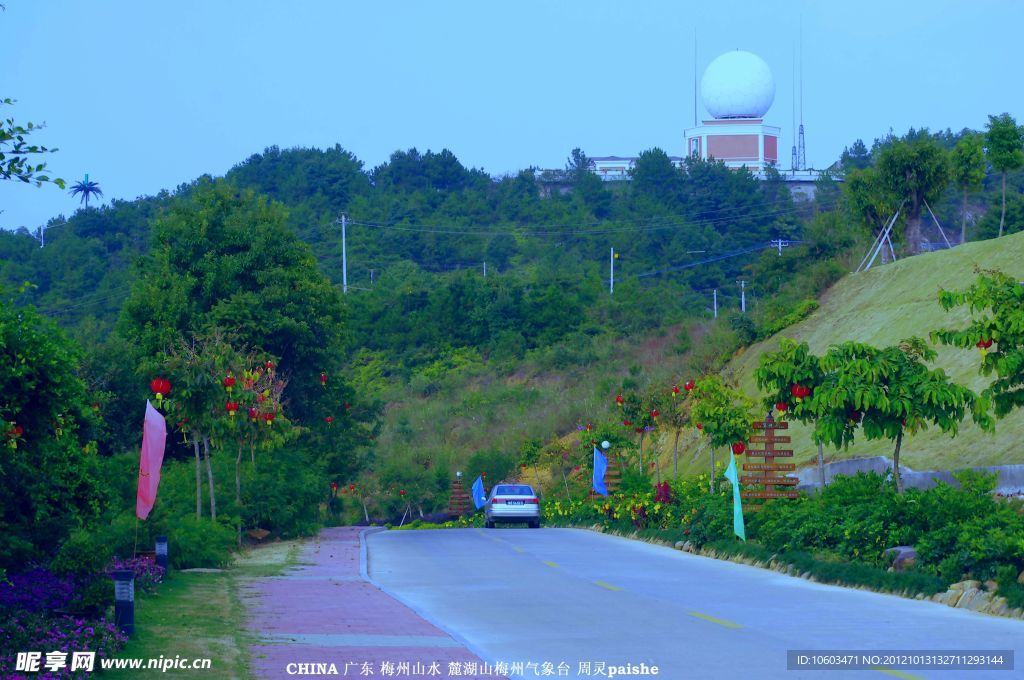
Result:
{"points": [[323, 612]]}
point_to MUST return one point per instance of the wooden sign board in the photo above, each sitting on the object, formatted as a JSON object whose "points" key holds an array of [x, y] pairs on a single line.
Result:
{"points": [[769, 425], [781, 467], [769, 494], [784, 453], [781, 481], [763, 439]]}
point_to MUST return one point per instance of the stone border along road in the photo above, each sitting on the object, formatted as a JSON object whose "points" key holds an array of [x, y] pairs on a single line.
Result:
{"points": [[327, 611]]}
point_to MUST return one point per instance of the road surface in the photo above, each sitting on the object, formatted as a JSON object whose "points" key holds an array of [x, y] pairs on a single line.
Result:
{"points": [[572, 598]]}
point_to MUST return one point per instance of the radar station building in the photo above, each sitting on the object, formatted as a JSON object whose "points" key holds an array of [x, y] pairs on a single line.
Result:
{"points": [[737, 90]]}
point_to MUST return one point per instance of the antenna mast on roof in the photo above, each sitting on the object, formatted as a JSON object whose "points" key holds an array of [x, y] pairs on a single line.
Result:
{"points": [[801, 156], [695, 76], [794, 162]]}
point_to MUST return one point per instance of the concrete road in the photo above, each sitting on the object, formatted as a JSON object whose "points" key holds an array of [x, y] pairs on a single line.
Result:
{"points": [[572, 597]]}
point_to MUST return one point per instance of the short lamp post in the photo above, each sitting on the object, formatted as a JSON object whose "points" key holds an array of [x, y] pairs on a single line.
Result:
{"points": [[161, 554], [124, 600]]}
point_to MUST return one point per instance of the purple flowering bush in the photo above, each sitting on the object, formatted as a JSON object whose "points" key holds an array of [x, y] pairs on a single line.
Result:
{"points": [[34, 617], [24, 631], [147, 573]]}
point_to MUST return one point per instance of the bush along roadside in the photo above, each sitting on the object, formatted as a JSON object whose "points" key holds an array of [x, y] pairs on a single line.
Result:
{"points": [[965, 538], [48, 612]]}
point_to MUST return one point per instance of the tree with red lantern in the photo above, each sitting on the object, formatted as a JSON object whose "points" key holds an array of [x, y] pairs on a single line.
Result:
{"points": [[726, 414]]}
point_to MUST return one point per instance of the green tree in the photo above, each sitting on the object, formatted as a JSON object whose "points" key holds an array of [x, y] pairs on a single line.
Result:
{"points": [[655, 176], [86, 189], [725, 414], [968, 172], [855, 157], [914, 171], [49, 476], [16, 153], [1005, 142], [787, 374], [996, 303]]}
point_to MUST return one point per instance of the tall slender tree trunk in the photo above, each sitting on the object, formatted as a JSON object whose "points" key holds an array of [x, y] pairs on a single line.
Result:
{"points": [[199, 480], [712, 449], [1002, 217], [209, 477], [675, 455], [914, 237], [963, 220], [641, 453], [238, 490], [896, 463], [821, 465]]}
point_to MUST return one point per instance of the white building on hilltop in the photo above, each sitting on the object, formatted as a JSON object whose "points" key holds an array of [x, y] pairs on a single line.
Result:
{"points": [[737, 90]]}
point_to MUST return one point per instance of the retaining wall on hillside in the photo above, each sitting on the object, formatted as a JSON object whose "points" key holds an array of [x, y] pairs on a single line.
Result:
{"points": [[1010, 481]]}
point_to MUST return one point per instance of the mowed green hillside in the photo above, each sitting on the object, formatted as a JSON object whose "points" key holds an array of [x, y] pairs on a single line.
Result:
{"points": [[892, 302]]}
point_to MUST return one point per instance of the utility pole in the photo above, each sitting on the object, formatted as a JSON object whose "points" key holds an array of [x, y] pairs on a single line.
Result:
{"points": [[714, 298], [344, 257], [780, 244], [371, 277], [42, 236], [611, 267], [743, 296], [485, 269]]}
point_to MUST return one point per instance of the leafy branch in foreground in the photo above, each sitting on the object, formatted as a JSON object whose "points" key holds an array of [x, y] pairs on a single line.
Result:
{"points": [[15, 152]]}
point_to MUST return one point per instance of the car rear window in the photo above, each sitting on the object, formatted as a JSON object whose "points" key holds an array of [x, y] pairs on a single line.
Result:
{"points": [[514, 490]]}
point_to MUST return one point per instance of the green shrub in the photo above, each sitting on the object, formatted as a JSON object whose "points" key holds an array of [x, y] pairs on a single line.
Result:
{"points": [[199, 543], [1006, 577]]}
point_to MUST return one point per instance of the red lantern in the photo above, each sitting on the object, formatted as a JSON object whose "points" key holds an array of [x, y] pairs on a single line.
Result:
{"points": [[323, 380], [638, 430], [700, 426], [589, 427], [261, 397], [334, 486], [627, 423], [254, 412], [522, 466], [161, 387], [781, 406], [855, 416], [401, 492], [983, 344], [231, 407], [655, 413], [348, 406], [689, 385], [268, 417], [619, 401], [483, 475], [329, 420], [675, 390], [229, 383], [576, 469], [351, 487], [738, 448], [269, 366]]}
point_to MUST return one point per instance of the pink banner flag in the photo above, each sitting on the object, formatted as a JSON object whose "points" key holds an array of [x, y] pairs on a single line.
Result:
{"points": [[154, 437]]}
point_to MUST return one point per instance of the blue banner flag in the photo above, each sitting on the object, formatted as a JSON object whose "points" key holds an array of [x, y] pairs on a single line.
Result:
{"points": [[737, 505], [479, 497], [600, 467]]}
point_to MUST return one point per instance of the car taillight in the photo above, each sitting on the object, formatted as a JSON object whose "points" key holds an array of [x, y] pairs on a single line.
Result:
{"points": [[533, 501]]}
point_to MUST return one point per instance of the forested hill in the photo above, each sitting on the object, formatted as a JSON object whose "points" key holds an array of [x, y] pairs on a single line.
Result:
{"points": [[421, 223]]}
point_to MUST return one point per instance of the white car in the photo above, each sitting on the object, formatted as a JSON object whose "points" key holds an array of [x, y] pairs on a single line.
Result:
{"points": [[512, 503]]}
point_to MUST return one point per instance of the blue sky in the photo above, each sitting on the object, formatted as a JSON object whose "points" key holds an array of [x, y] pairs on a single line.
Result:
{"points": [[145, 96]]}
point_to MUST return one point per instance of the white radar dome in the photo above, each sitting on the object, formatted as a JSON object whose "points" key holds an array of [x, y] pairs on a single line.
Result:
{"points": [[738, 85]]}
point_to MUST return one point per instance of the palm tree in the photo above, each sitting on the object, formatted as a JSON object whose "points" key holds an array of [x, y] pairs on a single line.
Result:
{"points": [[86, 188]]}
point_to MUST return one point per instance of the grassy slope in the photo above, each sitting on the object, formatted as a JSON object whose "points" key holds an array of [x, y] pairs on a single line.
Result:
{"points": [[892, 302]]}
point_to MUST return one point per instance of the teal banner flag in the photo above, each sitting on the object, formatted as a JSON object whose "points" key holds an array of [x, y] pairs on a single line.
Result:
{"points": [[737, 504]]}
